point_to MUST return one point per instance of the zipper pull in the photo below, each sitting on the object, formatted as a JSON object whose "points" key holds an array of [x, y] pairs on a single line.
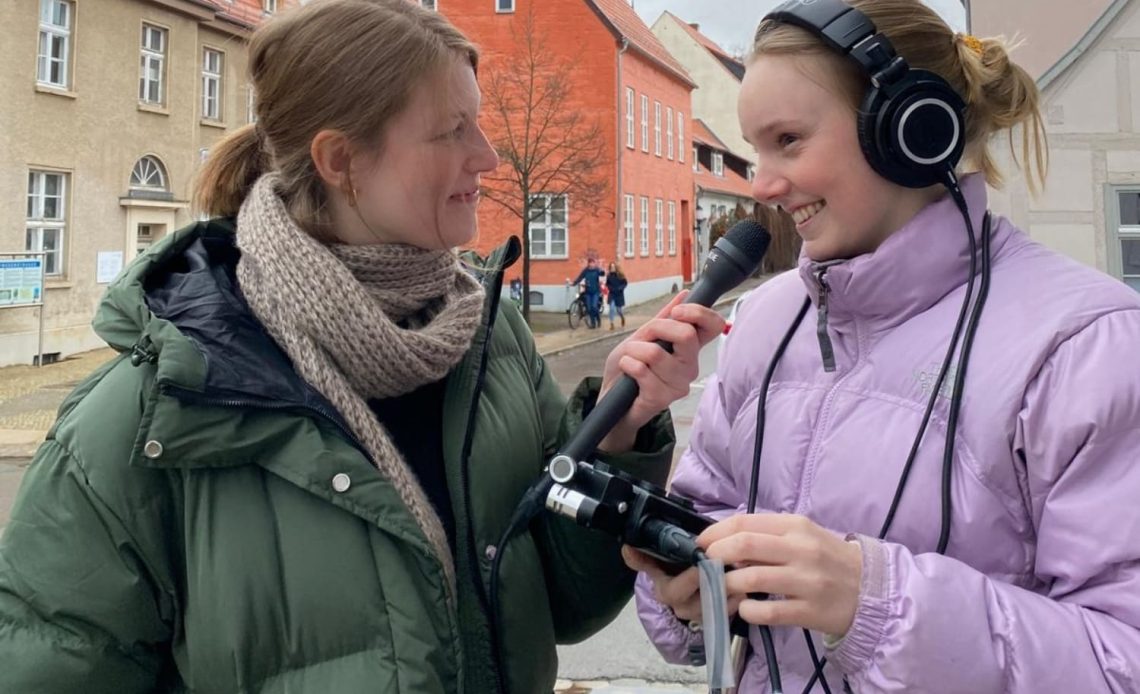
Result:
{"points": [[826, 349], [696, 646], [141, 353]]}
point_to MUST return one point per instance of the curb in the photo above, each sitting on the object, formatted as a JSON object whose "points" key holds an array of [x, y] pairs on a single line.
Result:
{"points": [[553, 351]]}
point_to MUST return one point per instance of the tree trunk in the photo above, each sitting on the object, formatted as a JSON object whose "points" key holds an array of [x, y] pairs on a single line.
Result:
{"points": [[526, 262]]}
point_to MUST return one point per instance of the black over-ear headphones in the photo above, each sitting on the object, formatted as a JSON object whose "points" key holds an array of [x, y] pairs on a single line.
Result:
{"points": [[911, 122]]}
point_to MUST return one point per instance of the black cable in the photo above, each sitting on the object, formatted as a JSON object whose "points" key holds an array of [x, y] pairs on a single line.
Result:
{"points": [[952, 185], [770, 656], [762, 402], [818, 674], [960, 377], [761, 405]]}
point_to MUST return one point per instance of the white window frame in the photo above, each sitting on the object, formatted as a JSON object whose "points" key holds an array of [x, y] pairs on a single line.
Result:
{"points": [[547, 227], [681, 145], [644, 226], [147, 169], [50, 32], [659, 227], [269, 6], [672, 228], [657, 128], [150, 58], [669, 132], [696, 159], [499, 9], [1122, 232], [644, 123], [38, 225], [628, 226], [630, 124], [718, 163], [212, 106]]}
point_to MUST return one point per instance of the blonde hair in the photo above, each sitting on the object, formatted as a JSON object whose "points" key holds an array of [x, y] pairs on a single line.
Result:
{"points": [[999, 94], [347, 65]]}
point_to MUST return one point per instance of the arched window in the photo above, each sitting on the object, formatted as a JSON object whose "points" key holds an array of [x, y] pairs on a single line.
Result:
{"points": [[149, 174]]}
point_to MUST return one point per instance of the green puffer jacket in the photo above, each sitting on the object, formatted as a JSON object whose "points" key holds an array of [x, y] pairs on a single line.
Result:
{"points": [[179, 530]]}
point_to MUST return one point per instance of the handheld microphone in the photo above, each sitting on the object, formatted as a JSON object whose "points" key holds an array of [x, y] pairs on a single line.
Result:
{"points": [[732, 259]]}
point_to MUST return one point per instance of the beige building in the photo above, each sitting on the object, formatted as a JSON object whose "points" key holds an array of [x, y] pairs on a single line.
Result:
{"points": [[1086, 58], [110, 105], [718, 76]]}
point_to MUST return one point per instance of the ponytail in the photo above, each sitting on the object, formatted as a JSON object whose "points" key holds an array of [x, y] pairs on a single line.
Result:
{"points": [[231, 169]]}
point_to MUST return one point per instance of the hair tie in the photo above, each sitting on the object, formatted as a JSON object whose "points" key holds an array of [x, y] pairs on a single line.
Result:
{"points": [[973, 43]]}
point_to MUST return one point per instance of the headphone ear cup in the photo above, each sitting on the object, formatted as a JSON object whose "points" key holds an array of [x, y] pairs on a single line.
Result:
{"points": [[914, 135], [873, 138]]}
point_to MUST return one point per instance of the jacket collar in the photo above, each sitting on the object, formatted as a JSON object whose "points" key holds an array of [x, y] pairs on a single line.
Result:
{"points": [[913, 269]]}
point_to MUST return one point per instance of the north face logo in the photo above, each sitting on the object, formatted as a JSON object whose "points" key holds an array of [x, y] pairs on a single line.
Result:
{"points": [[926, 380]]}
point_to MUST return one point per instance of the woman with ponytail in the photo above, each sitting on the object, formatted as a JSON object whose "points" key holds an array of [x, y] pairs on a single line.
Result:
{"points": [[295, 475], [922, 442]]}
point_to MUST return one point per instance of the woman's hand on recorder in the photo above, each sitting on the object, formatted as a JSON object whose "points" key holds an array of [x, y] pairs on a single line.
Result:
{"points": [[680, 592], [815, 573]]}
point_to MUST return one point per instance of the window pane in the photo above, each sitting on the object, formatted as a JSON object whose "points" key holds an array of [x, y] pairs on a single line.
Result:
{"points": [[1130, 208], [31, 240], [558, 211], [51, 240], [1130, 257]]}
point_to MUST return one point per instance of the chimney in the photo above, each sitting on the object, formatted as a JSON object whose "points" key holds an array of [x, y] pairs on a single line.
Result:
{"points": [[696, 27]]}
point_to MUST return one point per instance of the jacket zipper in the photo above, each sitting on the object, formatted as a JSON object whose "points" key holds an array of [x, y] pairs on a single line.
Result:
{"points": [[494, 289], [826, 348]]}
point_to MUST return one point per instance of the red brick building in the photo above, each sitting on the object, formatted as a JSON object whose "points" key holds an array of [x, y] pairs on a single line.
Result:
{"points": [[625, 80]]}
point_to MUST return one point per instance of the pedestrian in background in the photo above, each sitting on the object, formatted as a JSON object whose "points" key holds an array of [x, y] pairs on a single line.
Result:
{"points": [[616, 284]]}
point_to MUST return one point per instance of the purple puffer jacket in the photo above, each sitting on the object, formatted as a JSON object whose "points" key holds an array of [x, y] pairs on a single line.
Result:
{"points": [[1039, 590]]}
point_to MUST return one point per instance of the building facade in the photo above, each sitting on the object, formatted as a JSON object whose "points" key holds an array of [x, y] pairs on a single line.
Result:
{"points": [[718, 76], [625, 81], [722, 183], [1086, 59], [110, 106]]}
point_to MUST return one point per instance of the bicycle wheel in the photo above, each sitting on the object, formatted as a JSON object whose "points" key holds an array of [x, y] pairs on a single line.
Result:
{"points": [[575, 312]]}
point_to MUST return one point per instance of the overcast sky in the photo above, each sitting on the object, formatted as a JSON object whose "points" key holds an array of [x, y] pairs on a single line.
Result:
{"points": [[731, 22]]}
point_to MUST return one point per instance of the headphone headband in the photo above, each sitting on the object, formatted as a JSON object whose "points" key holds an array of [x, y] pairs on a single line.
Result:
{"points": [[911, 121]]}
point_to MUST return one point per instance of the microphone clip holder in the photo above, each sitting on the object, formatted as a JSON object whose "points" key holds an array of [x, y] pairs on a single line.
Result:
{"points": [[636, 512]]}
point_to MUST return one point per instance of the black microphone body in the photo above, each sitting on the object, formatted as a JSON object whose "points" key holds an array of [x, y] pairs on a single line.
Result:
{"points": [[732, 259]]}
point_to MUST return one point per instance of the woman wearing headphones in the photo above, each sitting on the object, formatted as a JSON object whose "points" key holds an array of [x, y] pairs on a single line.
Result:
{"points": [[930, 419]]}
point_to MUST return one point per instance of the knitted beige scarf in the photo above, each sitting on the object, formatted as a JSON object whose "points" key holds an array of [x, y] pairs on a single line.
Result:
{"points": [[359, 323]]}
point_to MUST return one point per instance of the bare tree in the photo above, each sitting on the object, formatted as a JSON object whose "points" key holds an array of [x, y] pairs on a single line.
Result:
{"points": [[548, 147]]}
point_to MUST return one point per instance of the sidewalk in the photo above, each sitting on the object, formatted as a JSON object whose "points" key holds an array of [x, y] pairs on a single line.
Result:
{"points": [[30, 396], [552, 333]]}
